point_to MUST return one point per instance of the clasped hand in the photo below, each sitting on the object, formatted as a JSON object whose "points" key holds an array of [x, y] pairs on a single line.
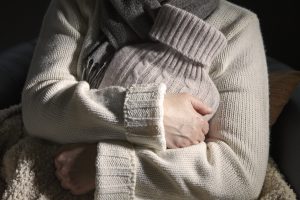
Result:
{"points": [[184, 126], [183, 120]]}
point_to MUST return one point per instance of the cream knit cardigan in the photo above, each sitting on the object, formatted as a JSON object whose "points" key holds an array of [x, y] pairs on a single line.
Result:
{"points": [[220, 60]]}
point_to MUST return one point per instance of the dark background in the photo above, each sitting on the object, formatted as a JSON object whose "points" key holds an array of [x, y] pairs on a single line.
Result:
{"points": [[20, 22], [280, 20]]}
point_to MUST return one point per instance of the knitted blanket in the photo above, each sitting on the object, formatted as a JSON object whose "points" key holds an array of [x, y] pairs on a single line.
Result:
{"points": [[27, 168]]}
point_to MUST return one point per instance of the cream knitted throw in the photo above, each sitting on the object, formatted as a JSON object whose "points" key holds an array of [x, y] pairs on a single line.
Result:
{"points": [[28, 170]]}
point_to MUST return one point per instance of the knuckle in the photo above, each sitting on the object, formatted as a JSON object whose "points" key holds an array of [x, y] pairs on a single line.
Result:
{"points": [[195, 139], [187, 142], [64, 171], [58, 175], [204, 127], [179, 145], [207, 129], [206, 123], [68, 184], [57, 164], [201, 137], [200, 123], [195, 142], [61, 157]]}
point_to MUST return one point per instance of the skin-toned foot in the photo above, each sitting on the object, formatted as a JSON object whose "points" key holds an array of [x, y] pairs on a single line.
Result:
{"points": [[75, 167]]}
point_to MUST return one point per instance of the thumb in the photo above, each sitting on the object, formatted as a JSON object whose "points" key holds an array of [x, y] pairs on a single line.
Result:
{"points": [[200, 107]]}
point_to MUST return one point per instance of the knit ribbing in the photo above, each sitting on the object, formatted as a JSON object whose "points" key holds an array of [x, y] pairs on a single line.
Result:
{"points": [[116, 166], [187, 34], [143, 116]]}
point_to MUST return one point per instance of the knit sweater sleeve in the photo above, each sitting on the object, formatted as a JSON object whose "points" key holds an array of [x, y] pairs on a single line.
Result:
{"points": [[59, 107], [231, 163]]}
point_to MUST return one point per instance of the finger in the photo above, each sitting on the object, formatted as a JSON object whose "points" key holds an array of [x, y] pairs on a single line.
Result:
{"points": [[58, 164], [66, 185], [67, 147], [205, 127], [183, 141], [58, 175], [200, 107], [170, 145], [61, 175], [201, 137], [178, 144], [202, 124], [63, 179], [195, 142], [60, 158], [64, 171], [60, 150]]}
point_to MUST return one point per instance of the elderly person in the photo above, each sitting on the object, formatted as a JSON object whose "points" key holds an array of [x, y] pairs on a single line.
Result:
{"points": [[153, 99]]}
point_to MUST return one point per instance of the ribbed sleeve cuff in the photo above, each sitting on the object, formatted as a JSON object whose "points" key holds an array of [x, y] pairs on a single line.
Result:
{"points": [[115, 170], [143, 115], [188, 34]]}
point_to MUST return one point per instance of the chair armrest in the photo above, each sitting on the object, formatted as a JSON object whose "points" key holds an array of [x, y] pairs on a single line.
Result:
{"points": [[285, 139]]}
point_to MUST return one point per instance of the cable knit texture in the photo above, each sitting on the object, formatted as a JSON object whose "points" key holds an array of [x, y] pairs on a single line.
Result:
{"points": [[220, 60]]}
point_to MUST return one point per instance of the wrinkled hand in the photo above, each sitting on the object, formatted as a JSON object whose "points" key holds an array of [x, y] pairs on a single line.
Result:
{"points": [[75, 167], [183, 120]]}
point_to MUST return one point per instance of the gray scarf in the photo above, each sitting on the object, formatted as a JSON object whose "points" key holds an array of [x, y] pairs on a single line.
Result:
{"points": [[125, 22]]}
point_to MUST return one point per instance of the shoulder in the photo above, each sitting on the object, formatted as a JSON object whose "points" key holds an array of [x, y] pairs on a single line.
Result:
{"points": [[72, 3], [71, 15], [241, 29], [231, 19]]}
